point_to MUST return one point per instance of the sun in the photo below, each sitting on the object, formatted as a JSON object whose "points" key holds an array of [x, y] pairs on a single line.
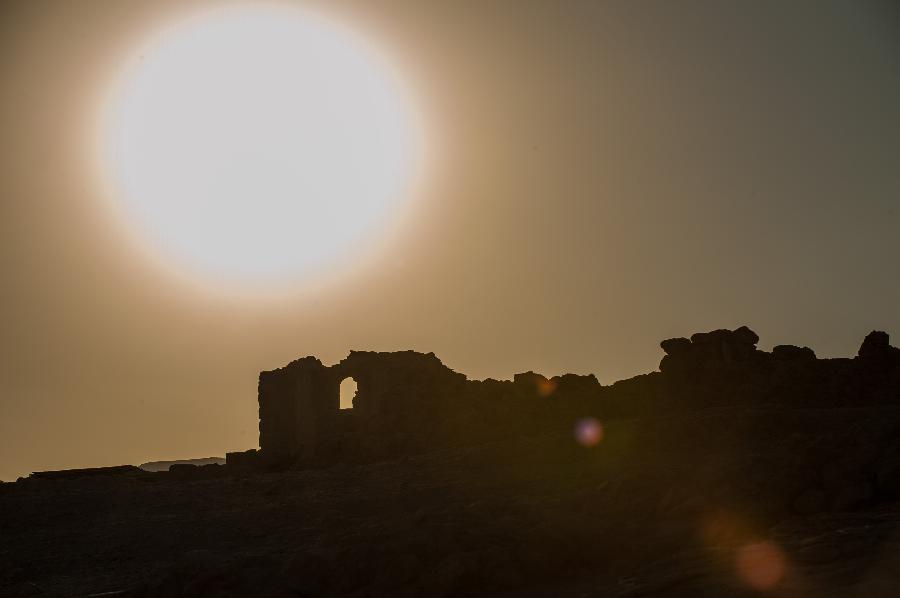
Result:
{"points": [[261, 144]]}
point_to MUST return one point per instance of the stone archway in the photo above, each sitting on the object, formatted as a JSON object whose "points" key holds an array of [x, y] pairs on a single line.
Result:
{"points": [[300, 406], [348, 391]]}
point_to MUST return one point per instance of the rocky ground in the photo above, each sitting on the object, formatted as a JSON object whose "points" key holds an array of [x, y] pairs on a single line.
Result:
{"points": [[717, 501]]}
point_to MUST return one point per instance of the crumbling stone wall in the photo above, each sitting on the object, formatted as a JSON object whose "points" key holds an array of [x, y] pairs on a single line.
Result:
{"points": [[397, 385], [408, 401], [299, 404]]}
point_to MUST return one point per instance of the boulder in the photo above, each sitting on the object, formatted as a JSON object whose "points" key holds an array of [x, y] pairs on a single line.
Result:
{"points": [[875, 345], [710, 338], [708, 349], [744, 335], [676, 346], [793, 353]]}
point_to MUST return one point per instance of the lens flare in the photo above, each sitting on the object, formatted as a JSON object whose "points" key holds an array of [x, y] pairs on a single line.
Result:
{"points": [[761, 565], [588, 432], [545, 387]]}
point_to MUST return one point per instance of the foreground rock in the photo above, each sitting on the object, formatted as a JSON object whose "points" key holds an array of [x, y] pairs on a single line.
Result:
{"points": [[732, 472]]}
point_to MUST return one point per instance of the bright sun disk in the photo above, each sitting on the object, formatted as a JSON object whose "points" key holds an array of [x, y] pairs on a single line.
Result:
{"points": [[259, 144]]}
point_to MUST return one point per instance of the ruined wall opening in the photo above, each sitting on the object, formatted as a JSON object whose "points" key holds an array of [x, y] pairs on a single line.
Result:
{"points": [[348, 391]]}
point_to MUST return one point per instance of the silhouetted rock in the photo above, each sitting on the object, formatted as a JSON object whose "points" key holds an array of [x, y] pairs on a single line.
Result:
{"points": [[575, 385], [435, 485], [675, 346], [792, 353], [745, 336], [875, 346], [407, 402], [708, 351]]}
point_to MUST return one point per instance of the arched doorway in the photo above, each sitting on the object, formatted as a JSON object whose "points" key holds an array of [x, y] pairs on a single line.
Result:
{"points": [[348, 392]]}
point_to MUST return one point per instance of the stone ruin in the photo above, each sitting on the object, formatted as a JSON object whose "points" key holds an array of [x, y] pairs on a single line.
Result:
{"points": [[299, 404], [407, 402]]}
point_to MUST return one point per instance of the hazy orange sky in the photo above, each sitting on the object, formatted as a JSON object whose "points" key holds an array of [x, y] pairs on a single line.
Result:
{"points": [[603, 175]]}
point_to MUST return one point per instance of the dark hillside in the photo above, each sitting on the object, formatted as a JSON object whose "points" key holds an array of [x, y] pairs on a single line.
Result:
{"points": [[730, 472]]}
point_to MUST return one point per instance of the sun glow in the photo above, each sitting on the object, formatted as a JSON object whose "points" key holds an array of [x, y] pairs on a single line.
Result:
{"points": [[259, 144]]}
